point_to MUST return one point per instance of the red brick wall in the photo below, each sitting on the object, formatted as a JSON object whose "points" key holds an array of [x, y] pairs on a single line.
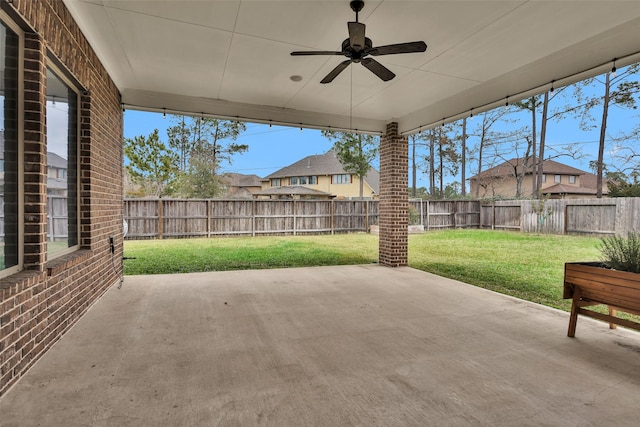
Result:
{"points": [[394, 198], [39, 304]]}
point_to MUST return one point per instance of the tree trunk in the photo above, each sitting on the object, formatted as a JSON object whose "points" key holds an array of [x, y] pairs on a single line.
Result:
{"points": [[533, 146], [441, 172], [537, 173], [603, 132], [463, 159], [432, 163], [413, 166]]}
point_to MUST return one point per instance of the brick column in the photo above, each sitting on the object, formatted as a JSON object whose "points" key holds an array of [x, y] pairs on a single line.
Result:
{"points": [[394, 199], [35, 153]]}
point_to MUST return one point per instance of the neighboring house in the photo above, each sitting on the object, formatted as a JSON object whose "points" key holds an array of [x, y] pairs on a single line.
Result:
{"points": [[296, 192], [56, 174], [56, 171], [559, 181], [241, 186], [324, 173]]}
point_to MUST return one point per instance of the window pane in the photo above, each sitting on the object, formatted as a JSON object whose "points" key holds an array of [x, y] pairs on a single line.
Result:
{"points": [[9, 148], [62, 161]]}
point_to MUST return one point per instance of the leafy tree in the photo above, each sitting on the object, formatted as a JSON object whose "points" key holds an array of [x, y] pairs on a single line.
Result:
{"points": [[415, 141], [621, 185], [151, 163], [202, 144], [205, 137], [448, 156], [200, 180], [418, 193], [355, 152]]}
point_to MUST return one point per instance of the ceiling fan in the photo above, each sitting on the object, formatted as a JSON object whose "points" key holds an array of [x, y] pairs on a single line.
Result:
{"points": [[358, 47]]}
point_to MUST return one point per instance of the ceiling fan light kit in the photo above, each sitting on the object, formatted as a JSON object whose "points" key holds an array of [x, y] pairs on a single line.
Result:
{"points": [[358, 48]]}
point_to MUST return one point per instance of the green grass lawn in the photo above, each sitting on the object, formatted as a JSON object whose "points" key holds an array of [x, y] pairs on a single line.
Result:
{"points": [[526, 266], [241, 253]]}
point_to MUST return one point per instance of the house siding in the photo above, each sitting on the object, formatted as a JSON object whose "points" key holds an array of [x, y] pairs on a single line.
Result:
{"points": [[39, 304], [325, 184]]}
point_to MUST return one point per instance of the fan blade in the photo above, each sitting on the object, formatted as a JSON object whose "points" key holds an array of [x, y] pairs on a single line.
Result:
{"points": [[393, 49], [334, 73], [315, 52], [378, 69], [356, 35]]}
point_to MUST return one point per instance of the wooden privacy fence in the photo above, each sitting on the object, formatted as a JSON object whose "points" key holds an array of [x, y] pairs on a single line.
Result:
{"points": [[563, 216], [435, 214], [174, 218], [57, 218]]}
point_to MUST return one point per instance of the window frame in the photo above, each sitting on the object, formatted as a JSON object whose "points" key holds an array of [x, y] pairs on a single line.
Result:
{"points": [[573, 179], [557, 179], [52, 65], [340, 181], [8, 22], [275, 182]]}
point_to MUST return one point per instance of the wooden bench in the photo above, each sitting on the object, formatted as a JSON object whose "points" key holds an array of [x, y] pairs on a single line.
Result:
{"points": [[589, 284]]}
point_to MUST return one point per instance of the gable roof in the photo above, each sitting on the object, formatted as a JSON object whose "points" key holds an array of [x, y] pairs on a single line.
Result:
{"points": [[318, 164], [56, 161], [568, 189], [322, 164], [548, 167], [290, 190], [241, 180]]}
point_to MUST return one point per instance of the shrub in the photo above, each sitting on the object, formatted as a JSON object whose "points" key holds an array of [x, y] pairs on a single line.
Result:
{"points": [[622, 253]]}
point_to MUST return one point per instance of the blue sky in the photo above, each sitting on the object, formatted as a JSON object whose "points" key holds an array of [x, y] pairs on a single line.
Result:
{"points": [[271, 148]]}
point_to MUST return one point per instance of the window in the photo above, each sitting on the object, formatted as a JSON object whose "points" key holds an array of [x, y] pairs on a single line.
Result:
{"points": [[303, 180], [10, 113], [544, 178], [572, 179], [341, 179], [62, 147], [557, 178], [275, 182]]}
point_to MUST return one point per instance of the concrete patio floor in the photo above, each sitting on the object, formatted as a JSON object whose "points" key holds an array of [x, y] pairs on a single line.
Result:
{"points": [[327, 346]]}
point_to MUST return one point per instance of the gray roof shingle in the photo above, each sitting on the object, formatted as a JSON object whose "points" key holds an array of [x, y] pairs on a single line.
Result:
{"points": [[322, 164], [548, 166]]}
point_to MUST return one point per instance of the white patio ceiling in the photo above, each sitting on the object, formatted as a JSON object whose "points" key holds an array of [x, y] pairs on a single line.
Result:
{"points": [[231, 58]]}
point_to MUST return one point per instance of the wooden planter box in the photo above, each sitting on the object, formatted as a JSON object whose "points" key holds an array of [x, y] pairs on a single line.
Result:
{"points": [[590, 284]]}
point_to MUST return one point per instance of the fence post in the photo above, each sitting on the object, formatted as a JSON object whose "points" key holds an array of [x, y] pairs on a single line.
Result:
{"points": [[455, 214], [366, 217], [294, 207], [208, 217], [253, 218], [428, 219], [493, 215], [160, 220], [332, 217]]}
